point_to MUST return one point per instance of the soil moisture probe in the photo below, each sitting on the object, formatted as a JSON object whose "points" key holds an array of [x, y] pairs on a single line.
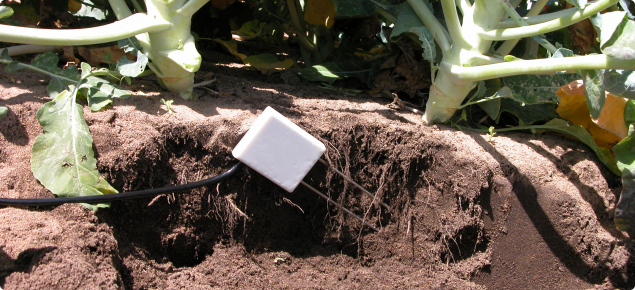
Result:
{"points": [[274, 147]]}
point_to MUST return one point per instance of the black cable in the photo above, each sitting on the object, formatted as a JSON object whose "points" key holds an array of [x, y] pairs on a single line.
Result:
{"points": [[120, 196]]}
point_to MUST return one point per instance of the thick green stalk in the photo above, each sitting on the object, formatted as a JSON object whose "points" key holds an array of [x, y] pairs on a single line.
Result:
{"points": [[545, 27], [439, 33], [130, 26], [448, 92], [536, 66], [173, 51]]}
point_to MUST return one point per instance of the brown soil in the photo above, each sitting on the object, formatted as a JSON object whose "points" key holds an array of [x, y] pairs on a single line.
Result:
{"points": [[517, 212]]}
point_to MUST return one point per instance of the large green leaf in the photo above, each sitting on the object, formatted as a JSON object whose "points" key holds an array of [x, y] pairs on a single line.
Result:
{"points": [[406, 20], [606, 24], [331, 71], [617, 34], [527, 114], [537, 89], [594, 91], [47, 63], [620, 82], [625, 208], [98, 91], [62, 158]]}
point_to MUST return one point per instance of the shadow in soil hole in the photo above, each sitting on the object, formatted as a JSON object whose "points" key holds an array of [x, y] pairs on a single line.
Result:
{"points": [[23, 263], [527, 195]]}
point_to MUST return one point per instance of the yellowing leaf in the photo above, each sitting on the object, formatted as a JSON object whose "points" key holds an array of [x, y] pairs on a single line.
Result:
{"points": [[612, 116], [573, 107], [232, 46], [74, 6], [267, 62], [320, 12]]}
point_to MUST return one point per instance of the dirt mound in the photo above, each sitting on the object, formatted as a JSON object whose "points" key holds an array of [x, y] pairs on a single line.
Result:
{"points": [[519, 211]]}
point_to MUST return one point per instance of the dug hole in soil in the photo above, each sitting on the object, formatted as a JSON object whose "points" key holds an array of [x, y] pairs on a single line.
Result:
{"points": [[519, 211]]}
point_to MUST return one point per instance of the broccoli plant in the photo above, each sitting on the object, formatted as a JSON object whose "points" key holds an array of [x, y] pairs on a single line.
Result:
{"points": [[163, 32], [469, 44]]}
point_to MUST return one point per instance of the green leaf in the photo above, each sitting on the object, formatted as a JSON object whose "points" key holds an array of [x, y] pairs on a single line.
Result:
{"points": [[3, 111], [62, 158], [594, 91], [100, 93], [629, 113], [537, 89], [620, 82], [131, 68], [563, 52], [331, 71], [362, 8], [527, 114], [406, 20], [427, 43], [617, 34], [91, 10], [606, 24], [47, 63], [625, 208], [5, 11], [319, 73], [267, 62], [509, 58]]}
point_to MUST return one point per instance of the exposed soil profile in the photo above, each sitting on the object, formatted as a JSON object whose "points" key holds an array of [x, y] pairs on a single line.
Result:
{"points": [[520, 211]]}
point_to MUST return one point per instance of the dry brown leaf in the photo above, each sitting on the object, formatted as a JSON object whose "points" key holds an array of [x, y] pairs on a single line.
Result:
{"points": [[583, 35]]}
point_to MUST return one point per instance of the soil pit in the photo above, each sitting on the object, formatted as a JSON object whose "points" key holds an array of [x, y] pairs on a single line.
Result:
{"points": [[519, 211]]}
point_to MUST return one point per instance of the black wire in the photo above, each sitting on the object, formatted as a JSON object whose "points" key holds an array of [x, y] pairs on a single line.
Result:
{"points": [[120, 196]]}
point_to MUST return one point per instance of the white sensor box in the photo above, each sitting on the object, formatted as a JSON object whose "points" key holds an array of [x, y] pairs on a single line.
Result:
{"points": [[278, 149]]}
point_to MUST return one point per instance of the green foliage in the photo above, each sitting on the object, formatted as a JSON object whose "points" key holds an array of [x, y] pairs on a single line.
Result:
{"points": [[620, 82], [97, 91], [625, 208], [62, 157], [3, 111], [621, 45], [5, 12], [537, 89], [131, 68], [362, 8], [329, 72], [594, 91], [168, 105]]}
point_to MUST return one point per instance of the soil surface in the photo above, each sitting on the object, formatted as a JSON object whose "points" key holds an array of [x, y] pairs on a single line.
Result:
{"points": [[519, 211]]}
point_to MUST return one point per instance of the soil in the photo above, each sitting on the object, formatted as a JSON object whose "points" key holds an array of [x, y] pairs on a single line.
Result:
{"points": [[519, 211]]}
